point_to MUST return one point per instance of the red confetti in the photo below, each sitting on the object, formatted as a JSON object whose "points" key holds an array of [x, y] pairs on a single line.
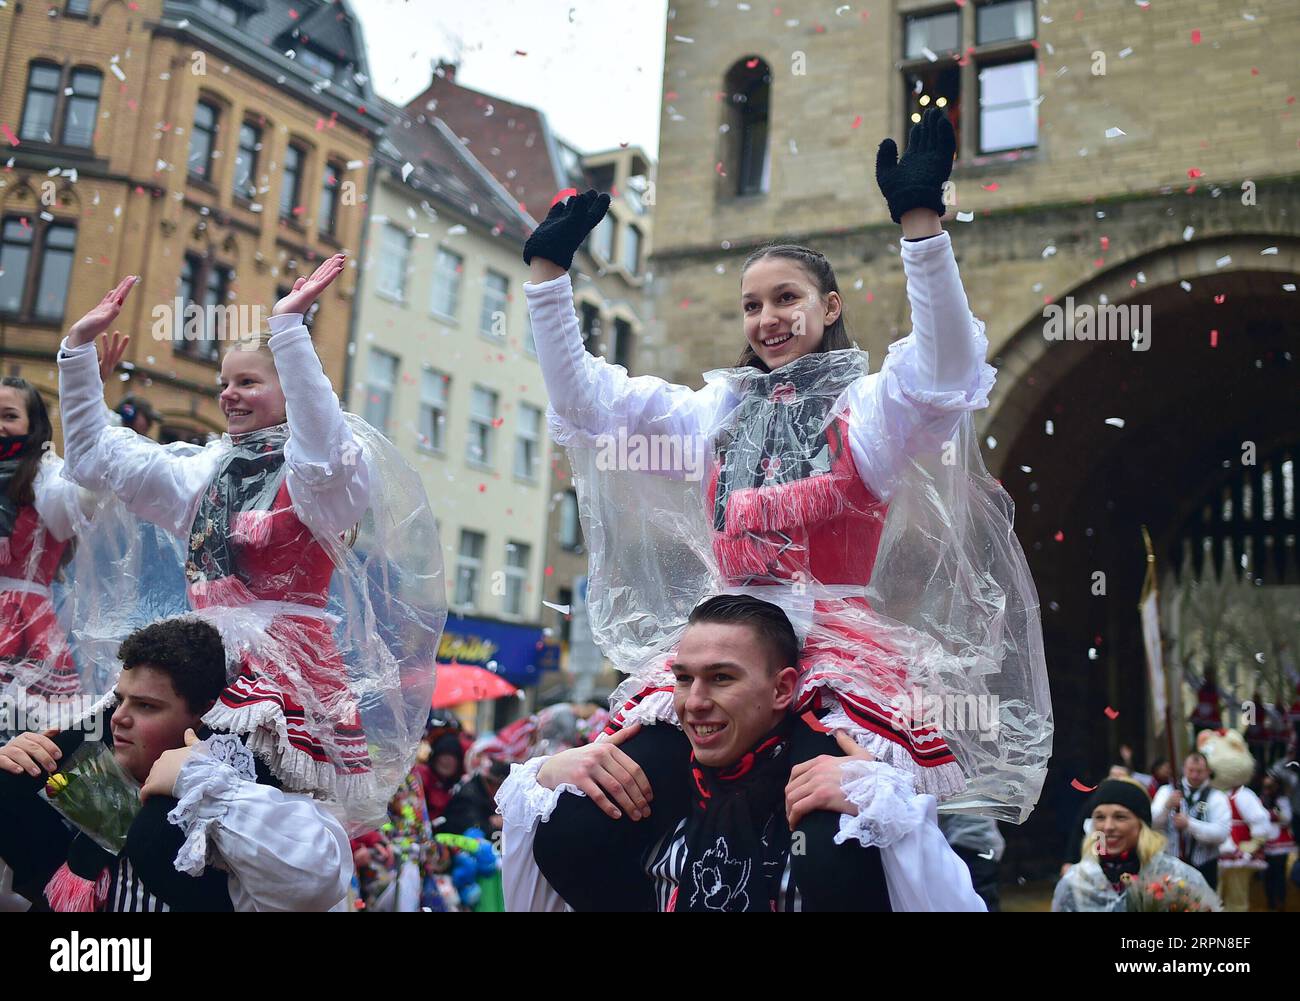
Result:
{"points": [[1214, 338], [670, 96], [1112, 713], [1105, 243], [991, 187], [498, 421], [549, 571], [751, 63], [1219, 299], [1196, 36], [563, 194], [717, 167], [293, 14], [1080, 786], [1194, 173], [856, 122], [1254, 71], [482, 488], [13, 139], [1059, 536]]}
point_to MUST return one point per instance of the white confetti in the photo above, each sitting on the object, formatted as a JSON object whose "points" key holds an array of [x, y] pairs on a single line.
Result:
{"points": [[1092, 653], [683, 38], [1189, 232], [1049, 250], [1115, 422], [991, 442], [456, 230], [1268, 250], [406, 170], [1026, 469], [928, 54], [794, 148], [356, 164], [116, 70], [1114, 133], [562, 609], [965, 216], [1142, 278], [1186, 286], [1126, 52], [1050, 428], [1289, 287], [1224, 261]]}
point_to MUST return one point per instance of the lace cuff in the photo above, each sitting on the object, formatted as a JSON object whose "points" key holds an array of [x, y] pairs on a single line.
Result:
{"points": [[522, 800], [888, 809], [204, 786]]}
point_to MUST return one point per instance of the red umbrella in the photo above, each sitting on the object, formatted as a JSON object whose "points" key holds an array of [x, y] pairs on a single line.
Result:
{"points": [[459, 683]]}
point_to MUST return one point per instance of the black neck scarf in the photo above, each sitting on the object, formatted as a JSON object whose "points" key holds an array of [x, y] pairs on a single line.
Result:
{"points": [[248, 480], [737, 838], [777, 434], [13, 450], [1115, 866]]}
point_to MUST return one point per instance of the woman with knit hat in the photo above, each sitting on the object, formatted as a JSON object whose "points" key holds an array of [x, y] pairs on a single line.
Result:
{"points": [[1124, 865]]}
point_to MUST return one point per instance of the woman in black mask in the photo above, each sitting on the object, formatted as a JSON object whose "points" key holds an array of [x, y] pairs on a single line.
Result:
{"points": [[40, 512]]}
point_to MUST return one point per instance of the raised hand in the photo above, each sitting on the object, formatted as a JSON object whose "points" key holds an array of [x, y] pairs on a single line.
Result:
{"points": [[561, 233], [111, 351], [99, 319], [917, 180], [306, 290]]}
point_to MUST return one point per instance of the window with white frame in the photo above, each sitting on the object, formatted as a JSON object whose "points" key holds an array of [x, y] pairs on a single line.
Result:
{"points": [[394, 261], [447, 271], [469, 567], [482, 426], [381, 381], [517, 557], [632, 250], [528, 442], [602, 238], [434, 390], [570, 524], [495, 286]]}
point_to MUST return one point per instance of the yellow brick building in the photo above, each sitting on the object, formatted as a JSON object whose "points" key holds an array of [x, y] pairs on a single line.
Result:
{"points": [[217, 148]]}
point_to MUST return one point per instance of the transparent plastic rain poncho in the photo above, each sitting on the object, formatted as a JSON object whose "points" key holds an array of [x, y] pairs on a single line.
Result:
{"points": [[38, 676], [330, 638], [1085, 888], [918, 618]]}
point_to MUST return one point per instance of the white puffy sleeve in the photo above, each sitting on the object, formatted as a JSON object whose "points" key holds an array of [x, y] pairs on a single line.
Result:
{"points": [[159, 483], [63, 506], [328, 474], [929, 378], [524, 803], [1254, 813], [590, 397], [921, 869], [283, 852]]}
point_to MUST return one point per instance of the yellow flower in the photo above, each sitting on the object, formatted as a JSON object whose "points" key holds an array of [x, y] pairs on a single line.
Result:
{"points": [[56, 784]]}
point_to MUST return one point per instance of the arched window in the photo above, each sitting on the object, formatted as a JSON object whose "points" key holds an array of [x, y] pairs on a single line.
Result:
{"points": [[748, 87]]}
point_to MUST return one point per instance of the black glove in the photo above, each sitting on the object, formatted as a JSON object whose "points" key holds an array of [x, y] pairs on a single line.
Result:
{"points": [[916, 181], [561, 233]]}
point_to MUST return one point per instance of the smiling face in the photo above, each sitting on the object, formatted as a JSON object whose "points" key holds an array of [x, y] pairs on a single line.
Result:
{"points": [[150, 718], [784, 310], [13, 412], [251, 397], [729, 690], [1117, 826]]}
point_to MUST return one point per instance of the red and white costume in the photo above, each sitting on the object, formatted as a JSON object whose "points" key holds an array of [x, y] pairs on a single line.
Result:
{"points": [[263, 518], [1250, 822], [34, 657], [806, 463]]}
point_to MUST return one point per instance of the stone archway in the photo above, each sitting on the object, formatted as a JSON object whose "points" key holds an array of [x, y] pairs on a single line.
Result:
{"points": [[1138, 438]]}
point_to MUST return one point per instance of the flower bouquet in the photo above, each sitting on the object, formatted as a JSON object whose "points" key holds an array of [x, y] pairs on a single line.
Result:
{"points": [[1163, 894], [95, 794]]}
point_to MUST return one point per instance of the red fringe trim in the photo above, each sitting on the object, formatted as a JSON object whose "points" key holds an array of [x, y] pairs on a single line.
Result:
{"points": [[767, 509]]}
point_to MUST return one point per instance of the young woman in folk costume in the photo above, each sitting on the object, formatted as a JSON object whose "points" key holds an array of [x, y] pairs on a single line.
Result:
{"points": [[266, 518], [41, 513], [857, 502]]}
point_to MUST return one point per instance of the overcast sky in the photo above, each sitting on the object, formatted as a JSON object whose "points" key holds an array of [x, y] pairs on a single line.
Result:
{"points": [[595, 67]]}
